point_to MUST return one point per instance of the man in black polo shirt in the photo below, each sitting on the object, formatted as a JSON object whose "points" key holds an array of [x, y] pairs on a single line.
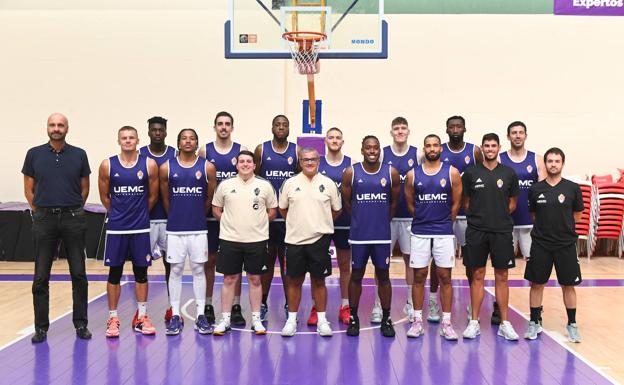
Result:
{"points": [[555, 204], [490, 195], [56, 185]]}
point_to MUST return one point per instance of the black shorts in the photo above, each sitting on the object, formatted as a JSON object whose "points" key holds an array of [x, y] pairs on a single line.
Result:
{"points": [[480, 244], [341, 239], [232, 256], [277, 233], [213, 236], [313, 258], [539, 265]]}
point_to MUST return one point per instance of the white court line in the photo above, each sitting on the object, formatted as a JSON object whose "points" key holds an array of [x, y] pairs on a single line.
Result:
{"points": [[561, 340], [31, 329]]}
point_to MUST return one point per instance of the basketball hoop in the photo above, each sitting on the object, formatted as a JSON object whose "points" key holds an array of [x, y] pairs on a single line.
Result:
{"points": [[304, 49]]}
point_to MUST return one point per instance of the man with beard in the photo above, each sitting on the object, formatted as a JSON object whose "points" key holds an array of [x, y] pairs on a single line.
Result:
{"points": [[530, 168], [555, 204], [160, 152], [56, 186], [276, 161], [490, 192], [433, 192], [222, 153], [370, 193]]}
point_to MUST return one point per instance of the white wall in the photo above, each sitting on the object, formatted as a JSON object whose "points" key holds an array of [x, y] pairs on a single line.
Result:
{"points": [[106, 68]]}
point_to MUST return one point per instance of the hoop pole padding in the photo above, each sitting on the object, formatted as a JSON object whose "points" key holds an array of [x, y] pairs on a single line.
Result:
{"points": [[312, 100]]}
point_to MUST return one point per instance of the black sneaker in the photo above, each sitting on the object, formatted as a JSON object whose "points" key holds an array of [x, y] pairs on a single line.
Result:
{"points": [[39, 336], [496, 316], [209, 313], [83, 333], [354, 326], [237, 318], [387, 329]]}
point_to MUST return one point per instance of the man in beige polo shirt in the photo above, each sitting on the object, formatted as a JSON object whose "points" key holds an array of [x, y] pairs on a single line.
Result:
{"points": [[310, 202], [243, 204]]}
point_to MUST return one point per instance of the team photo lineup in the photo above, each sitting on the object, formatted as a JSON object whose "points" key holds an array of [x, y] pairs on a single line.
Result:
{"points": [[229, 208]]}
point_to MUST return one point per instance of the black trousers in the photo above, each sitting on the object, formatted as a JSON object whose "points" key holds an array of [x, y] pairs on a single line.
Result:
{"points": [[48, 228]]}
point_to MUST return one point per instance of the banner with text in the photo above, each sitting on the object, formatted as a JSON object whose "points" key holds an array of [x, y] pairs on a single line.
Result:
{"points": [[589, 7]]}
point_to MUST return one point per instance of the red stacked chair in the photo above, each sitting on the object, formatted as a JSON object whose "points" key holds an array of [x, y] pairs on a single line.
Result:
{"points": [[585, 228], [611, 211]]}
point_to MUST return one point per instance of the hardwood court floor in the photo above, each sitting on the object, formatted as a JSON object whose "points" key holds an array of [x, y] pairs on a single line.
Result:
{"points": [[599, 310]]}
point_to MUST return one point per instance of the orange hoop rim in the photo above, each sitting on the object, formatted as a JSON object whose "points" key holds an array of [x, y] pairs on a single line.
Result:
{"points": [[303, 36]]}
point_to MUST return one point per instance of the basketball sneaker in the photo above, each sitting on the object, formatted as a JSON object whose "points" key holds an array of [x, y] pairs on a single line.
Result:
{"points": [[222, 327], [175, 326], [434, 312], [496, 316], [135, 319], [408, 309], [387, 329], [313, 319], [144, 326], [202, 326], [507, 331], [210, 314], [286, 311], [573, 333], [264, 310], [168, 314], [354, 326], [533, 330], [472, 330], [417, 329], [237, 316], [377, 314], [289, 329], [323, 328], [112, 327], [258, 327], [344, 314], [447, 331]]}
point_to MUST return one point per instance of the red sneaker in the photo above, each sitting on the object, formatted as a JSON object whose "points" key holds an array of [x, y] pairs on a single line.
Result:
{"points": [[313, 317], [135, 319], [112, 328], [145, 326], [168, 314], [344, 314]]}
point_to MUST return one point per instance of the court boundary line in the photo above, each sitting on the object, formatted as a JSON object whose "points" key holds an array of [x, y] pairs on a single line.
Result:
{"points": [[551, 335]]}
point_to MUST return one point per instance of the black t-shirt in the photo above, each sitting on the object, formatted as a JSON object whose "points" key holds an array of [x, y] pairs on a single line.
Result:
{"points": [[489, 192], [554, 208]]}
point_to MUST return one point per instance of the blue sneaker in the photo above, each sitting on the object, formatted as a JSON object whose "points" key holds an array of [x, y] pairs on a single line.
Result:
{"points": [[202, 326], [264, 310], [175, 326]]}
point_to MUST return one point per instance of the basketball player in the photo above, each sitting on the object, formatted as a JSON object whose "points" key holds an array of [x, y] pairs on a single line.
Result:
{"points": [[433, 192], [333, 165], [460, 155], [490, 192], [243, 204], [222, 154], [160, 152], [128, 186], [370, 193], [530, 168], [556, 204], [402, 157], [276, 161], [187, 184], [310, 202]]}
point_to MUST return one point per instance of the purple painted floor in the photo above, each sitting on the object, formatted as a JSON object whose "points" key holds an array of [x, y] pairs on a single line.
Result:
{"points": [[243, 358]]}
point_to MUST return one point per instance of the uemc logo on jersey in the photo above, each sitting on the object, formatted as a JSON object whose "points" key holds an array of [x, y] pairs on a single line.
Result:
{"points": [[433, 198], [525, 183], [221, 175], [279, 174], [196, 190], [371, 197], [128, 189]]}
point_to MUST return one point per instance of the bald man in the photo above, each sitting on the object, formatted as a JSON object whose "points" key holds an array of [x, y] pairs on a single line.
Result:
{"points": [[56, 186]]}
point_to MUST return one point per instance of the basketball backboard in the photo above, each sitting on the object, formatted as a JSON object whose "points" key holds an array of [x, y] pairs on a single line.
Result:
{"points": [[355, 29]]}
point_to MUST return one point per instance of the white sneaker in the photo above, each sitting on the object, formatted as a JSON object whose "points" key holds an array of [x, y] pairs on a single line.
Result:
{"points": [[472, 330], [289, 329], [222, 327], [469, 311], [434, 312], [573, 333], [323, 329], [258, 327], [533, 330], [506, 330], [408, 309], [377, 314], [417, 329], [447, 331]]}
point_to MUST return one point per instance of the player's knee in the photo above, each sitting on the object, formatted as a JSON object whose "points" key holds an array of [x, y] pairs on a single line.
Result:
{"points": [[444, 277], [383, 276], [140, 274], [501, 275], [197, 268], [420, 276], [356, 276], [114, 275], [177, 269]]}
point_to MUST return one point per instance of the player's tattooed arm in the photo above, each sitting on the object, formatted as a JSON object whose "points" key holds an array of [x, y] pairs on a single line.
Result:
{"points": [[456, 191], [163, 179], [409, 192], [396, 191], [347, 189], [211, 176], [152, 169]]}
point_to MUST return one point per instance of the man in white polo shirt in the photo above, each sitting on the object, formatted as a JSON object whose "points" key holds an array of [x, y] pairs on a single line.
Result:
{"points": [[310, 202], [243, 204]]}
